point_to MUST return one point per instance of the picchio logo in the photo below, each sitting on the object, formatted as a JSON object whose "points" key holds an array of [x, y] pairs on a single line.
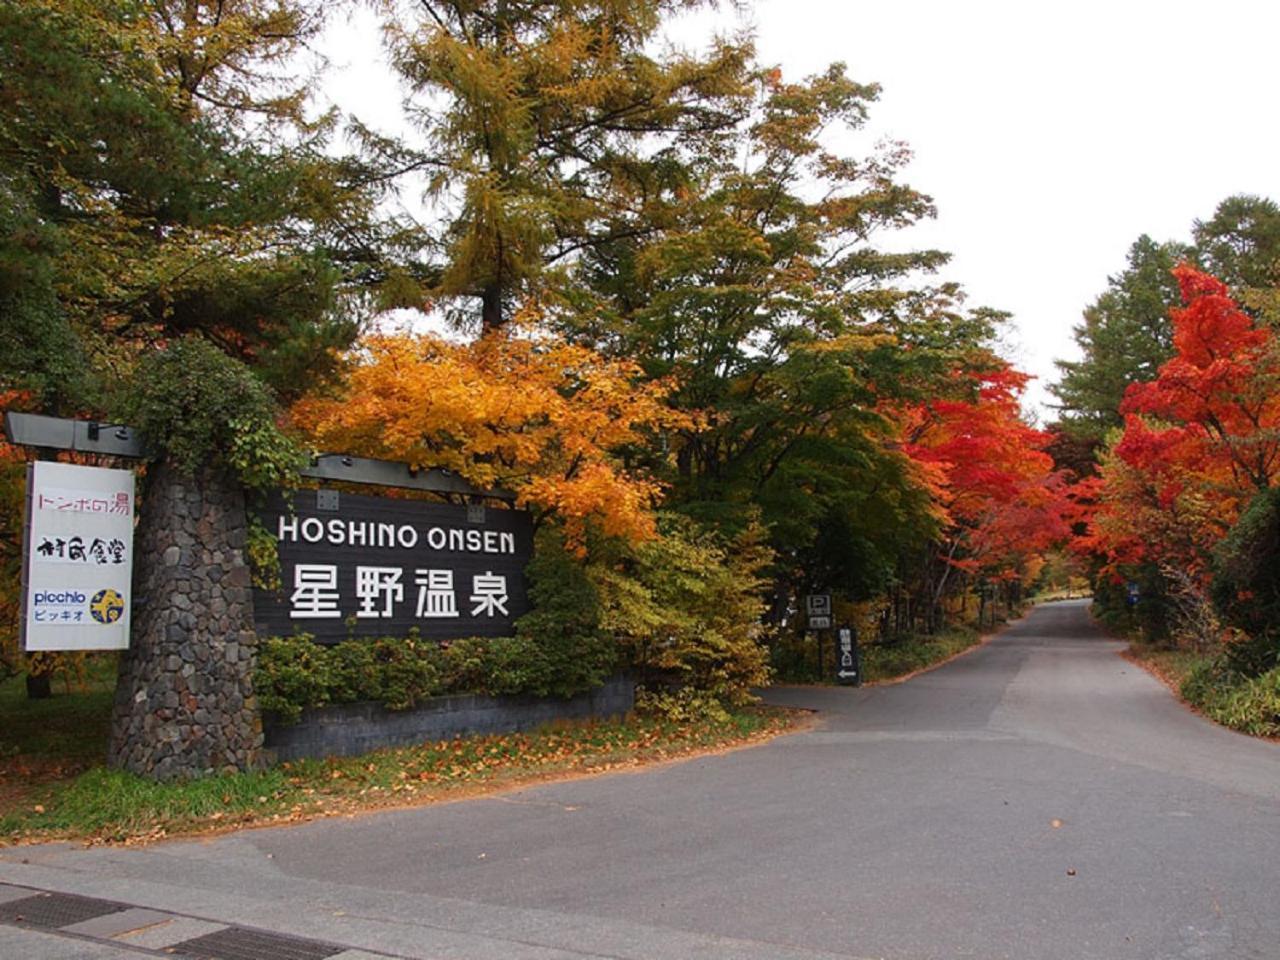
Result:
{"points": [[63, 599], [107, 606]]}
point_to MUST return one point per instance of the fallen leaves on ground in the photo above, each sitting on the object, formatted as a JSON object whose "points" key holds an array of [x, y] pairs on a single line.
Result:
{"points": [[303, 790]]}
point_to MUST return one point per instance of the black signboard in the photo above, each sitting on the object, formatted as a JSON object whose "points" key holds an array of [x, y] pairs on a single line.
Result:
{"points": [[378, 567], [848, 657]]}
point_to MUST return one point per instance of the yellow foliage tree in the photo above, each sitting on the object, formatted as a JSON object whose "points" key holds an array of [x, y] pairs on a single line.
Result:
{"points": [[523, 411]]}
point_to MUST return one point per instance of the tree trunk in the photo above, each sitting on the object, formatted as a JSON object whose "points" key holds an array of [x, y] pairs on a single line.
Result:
{"points": [[491, 309], [39, 686]]}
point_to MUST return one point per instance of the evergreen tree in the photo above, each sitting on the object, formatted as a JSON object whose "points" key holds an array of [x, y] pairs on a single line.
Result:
{"points": [[1240, 243], [793, 337], [1125, 336], [175, 185]]}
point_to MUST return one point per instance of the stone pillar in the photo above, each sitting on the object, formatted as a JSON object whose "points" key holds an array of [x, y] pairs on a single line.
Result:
{"points": [[184, 704]]}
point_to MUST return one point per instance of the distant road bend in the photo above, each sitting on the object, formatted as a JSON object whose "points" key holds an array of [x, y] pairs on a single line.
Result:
{"points": [[1040, 799]]}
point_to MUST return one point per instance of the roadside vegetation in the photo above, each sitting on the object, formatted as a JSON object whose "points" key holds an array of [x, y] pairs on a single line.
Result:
{"points": [[1172, 423], [882, 660], [1248, 704], [695, 365], [53, 784]]}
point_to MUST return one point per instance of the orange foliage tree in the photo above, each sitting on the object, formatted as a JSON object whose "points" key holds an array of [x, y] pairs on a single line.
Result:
{"points": [[1199, 441], [550, 421]]}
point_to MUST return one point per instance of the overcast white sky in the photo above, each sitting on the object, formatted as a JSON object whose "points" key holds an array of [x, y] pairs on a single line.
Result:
{"points": [[1050, 135]]}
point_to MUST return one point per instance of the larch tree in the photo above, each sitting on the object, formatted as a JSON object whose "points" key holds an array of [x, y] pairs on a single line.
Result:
{"points": [[550, 126], [1240, 243]]}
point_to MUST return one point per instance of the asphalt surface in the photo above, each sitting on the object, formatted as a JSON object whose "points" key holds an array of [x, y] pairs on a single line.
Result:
{"points": [[1038, 798]]}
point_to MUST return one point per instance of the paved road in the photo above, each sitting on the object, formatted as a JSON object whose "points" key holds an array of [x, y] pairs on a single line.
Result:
{"points": [[1040, 798]]}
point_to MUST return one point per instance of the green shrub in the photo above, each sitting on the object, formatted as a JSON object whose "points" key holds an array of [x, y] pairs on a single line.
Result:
{"points": [[570, 649], [198, 407], [688, 705], [885, 661], [511, 665], [407, 670], [686, 608], [463, 666], [1246, 586], [293, 673], [353, 673], [1254, 706], [1203, 682], [1248, 704], [793, 657]]}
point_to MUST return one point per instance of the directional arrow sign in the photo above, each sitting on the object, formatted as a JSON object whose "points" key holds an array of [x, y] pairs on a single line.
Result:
{"points": [[850, 658]]}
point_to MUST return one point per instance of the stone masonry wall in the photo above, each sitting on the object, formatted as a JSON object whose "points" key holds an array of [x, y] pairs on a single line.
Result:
{"points": [[184, 703], [344, 730]]}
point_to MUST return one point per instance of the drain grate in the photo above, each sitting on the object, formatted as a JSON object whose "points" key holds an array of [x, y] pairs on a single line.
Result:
{"points": [[53, 910], [237, 943]]}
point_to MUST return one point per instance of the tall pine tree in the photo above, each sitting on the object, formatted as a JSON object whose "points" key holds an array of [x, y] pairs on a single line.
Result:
{"points": [[1125, 336], [173, 185]]}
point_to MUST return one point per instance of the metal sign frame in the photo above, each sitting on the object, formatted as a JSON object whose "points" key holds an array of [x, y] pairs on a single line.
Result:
{"points": [[121, 440]]}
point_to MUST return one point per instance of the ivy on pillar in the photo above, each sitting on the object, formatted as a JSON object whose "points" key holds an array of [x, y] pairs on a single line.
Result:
{"points": [[185, 705]]}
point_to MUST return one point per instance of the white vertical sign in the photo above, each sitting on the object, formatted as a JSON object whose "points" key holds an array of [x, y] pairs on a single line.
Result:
{"points": [[79, 557]]}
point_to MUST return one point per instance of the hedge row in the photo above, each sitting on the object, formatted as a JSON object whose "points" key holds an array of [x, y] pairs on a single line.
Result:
{"points": [[295, 673]]}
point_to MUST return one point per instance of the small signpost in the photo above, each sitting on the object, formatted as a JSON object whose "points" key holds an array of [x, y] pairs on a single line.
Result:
{"points": [[1133, 594], [79, 557], [849, 670], [818, 608]]}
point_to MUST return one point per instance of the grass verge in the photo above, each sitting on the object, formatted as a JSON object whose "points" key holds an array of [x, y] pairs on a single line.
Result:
{"points": [[884, 661], [46, 741], [102, 805], [1247, 704], [891, 662]]}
